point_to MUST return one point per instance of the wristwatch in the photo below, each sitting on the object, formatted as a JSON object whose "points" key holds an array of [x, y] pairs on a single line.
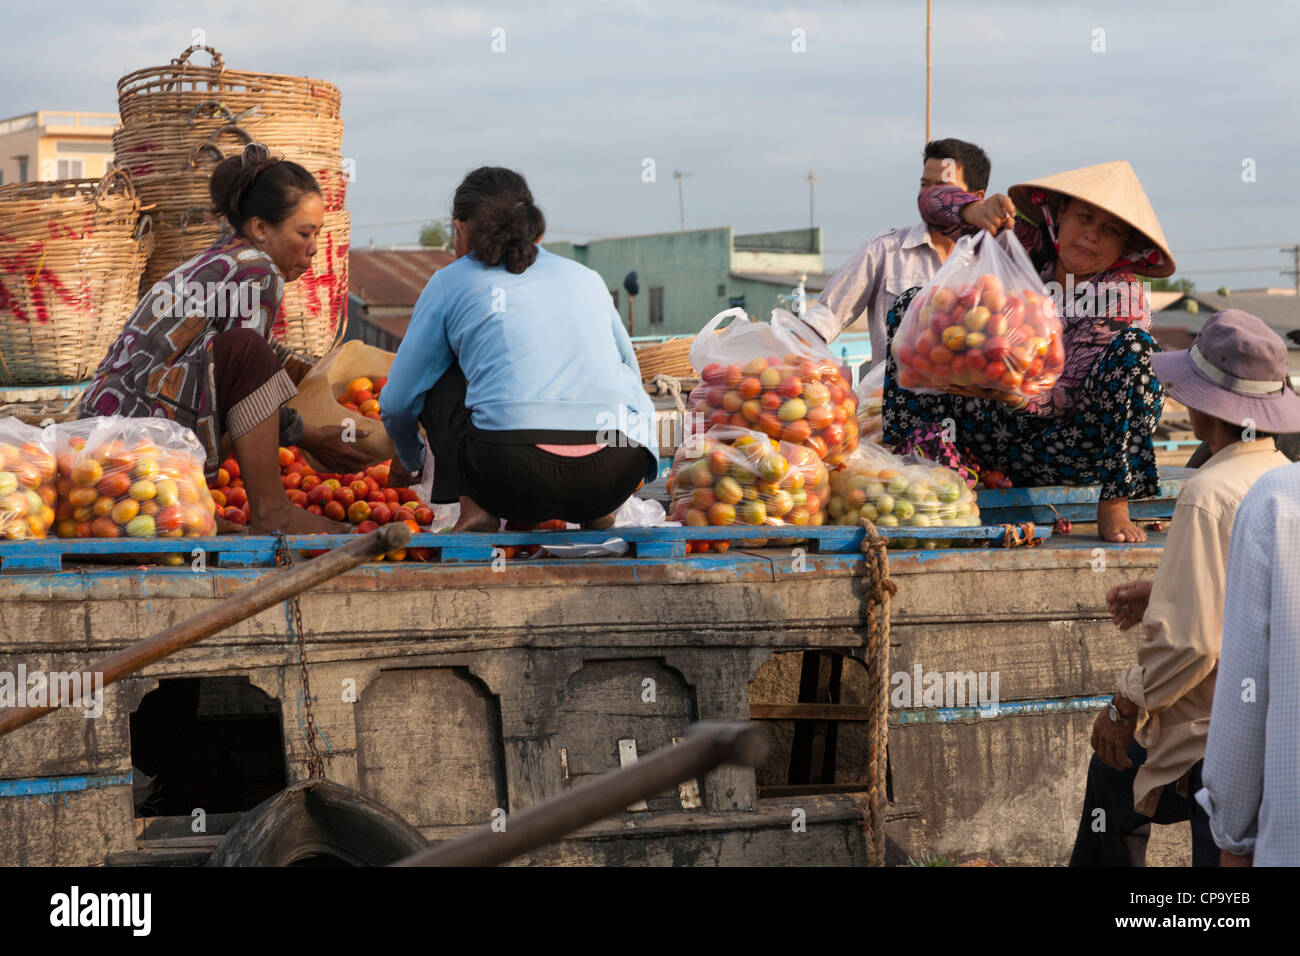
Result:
{"points": [[1117, 718]]}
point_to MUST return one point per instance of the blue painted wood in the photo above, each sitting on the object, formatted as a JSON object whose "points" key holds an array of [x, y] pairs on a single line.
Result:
{"points": [[259, 558], [249, 551], [660, 549], [461, 554], [1077, 503], [1010, 708], [27, 563], [43, 786], [1147, 508], [1171, 483]]}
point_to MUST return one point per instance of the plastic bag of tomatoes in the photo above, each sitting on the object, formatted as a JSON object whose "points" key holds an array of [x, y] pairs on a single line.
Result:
{"points": [[735, 476], [131, 478], [27, 488], [983, 326], [779, 379]]}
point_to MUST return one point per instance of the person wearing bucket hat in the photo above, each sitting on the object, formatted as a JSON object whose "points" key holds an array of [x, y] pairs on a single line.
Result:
{"points": [[1089, 232], [1150, 741]]}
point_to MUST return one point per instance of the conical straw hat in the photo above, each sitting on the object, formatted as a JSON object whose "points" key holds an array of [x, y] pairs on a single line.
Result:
{"points": [[1113, 187]]}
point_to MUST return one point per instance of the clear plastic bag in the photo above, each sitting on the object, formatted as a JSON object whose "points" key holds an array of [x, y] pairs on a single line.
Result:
{"points": [[779, 379], [735, 476], [894, 492], [982, 326], [27, 481], [871, 404], [131, 477]]}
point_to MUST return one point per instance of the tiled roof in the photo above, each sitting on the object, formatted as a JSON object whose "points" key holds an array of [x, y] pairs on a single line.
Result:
{"points": [[386, 277]]}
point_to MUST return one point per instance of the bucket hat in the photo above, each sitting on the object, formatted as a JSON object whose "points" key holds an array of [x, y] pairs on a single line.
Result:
{"points": [[1235, 370]]}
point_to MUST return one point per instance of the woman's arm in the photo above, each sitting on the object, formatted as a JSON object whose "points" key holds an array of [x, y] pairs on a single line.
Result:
{"points": [[423, 357], [941, 208]]}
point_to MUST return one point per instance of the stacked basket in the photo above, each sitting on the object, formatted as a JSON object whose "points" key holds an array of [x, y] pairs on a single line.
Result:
{"points": [[180, 120], [71, 255]]}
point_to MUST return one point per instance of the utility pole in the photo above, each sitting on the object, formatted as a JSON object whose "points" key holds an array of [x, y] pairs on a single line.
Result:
{"points": [[1294, 272], [681, 203], [812, 235], [929, 10]]}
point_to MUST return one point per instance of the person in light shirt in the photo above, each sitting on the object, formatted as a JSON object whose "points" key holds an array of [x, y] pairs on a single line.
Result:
{"points": [[891, 262], [520, 371], [1150, 742], [1252, 760]]}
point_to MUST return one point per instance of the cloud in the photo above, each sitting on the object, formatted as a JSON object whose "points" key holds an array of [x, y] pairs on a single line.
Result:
{"points": [[585, 91]]}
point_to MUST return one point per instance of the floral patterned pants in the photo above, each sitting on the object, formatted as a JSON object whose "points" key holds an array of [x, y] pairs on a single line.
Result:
{"points": [[1106, 440]]}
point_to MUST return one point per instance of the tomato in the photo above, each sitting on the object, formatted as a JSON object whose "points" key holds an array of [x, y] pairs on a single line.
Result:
{"points": [[286, 457]]}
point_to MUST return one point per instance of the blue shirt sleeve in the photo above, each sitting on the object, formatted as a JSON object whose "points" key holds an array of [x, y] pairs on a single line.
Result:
{"points": [[422, 358]]}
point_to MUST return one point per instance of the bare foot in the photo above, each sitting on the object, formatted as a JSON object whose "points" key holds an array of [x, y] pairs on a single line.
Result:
{"points": [[474, 518], [293, 520], [1114, 524], [600, 524], [229, 527]]}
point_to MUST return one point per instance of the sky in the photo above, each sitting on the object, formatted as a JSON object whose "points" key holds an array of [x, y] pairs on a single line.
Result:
{"points": [[1201, 97]]}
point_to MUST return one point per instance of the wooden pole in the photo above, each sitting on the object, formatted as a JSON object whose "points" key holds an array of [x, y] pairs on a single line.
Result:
{"points": [[707, 745], [929, 11], [263, 593]]}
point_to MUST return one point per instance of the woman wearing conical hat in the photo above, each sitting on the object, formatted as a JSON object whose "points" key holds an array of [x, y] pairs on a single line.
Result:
{"points": [[1093, 232]]}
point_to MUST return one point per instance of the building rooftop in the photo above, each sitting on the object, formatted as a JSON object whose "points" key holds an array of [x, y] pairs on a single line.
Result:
{"points": [[392, 277], [814, 281], [1278, 308]]}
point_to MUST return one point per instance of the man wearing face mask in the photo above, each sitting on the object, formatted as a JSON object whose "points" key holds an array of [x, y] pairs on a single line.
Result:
{"points": [[888, 264]]}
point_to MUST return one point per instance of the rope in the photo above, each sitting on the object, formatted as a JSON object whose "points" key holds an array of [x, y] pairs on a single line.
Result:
{"points": [[668, 385], [1020, 536], [880, 589]]}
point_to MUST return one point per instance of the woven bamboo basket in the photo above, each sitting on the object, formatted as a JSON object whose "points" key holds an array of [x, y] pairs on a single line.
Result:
{"points": [[64, 301], [670, 357], [313, 314], [107, 208], [181, 120], [175, 181], [182, 87]]}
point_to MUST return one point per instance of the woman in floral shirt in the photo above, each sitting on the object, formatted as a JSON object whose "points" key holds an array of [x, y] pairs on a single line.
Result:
{"points": [[197, 348], [1092, 231]]}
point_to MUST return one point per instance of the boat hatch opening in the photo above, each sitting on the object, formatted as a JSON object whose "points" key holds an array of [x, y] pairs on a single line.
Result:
{"points": [[817, 707], [213, 744]]}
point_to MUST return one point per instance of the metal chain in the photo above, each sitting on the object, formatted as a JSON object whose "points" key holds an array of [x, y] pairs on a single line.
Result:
{"points": [[315, 765]]}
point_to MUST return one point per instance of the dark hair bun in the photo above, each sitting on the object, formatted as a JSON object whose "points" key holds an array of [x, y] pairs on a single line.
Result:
{"points": [[504, 223], [256, 184]]}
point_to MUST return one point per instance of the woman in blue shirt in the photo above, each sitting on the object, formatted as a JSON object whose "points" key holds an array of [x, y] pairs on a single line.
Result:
{"points": [[518, 367]]}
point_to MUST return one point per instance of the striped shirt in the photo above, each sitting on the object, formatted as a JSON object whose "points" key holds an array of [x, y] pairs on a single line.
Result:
{"points": [[1251, 776]]}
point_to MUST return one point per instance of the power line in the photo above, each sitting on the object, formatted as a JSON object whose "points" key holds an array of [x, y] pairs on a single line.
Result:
{"points": [[1241, 269], [1270, 245]]}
